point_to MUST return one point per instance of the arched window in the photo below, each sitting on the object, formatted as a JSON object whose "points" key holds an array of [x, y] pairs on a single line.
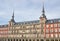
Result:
{"points": [[23, 39], [20, 40], [42, 40], [11, 39], [16, 39], [37, 39], [30, 40], [47, 40], [8, 39], [56, 40], [26, 40], [33, 40], [52, 40]]}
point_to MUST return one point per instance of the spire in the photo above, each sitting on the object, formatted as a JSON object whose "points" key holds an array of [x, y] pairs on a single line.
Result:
{"points": [[43, 11], [13, 17]]}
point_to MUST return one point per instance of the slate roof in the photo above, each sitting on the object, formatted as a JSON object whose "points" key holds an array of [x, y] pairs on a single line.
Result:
{"points": [[28, 22], [53, 21], [34, 22], [1, 26]]}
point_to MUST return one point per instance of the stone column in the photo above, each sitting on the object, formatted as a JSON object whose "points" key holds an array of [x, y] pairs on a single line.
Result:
{"points": [[31, 39], [10, 39], [6, 39], [28, 39], [58, 39], [44, 39], [24, 39], [39, 39], [21, 39], [54, 39], [35, 39], [18, 39], [15, 39], [49, 39]]}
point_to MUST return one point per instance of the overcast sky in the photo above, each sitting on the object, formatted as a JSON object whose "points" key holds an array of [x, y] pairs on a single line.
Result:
{"points": [[28, 10]]}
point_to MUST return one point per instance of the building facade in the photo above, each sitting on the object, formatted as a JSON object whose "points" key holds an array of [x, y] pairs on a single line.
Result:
{"points": [[38, 30]]}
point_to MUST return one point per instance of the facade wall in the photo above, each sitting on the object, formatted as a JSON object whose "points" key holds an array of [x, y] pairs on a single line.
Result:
{"points": [[4, 32], [41, 31], [52, 30], [33, 30]]}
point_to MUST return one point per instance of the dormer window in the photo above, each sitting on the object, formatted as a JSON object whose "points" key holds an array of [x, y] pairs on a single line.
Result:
{"points": [[58, 20], [51, 21]]}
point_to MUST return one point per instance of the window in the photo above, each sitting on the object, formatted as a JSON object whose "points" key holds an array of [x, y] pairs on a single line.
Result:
{"points": [[51, 30], [59, 29], [20, 35], [1, 32], [17, 27], [47, 30], [58, 25], [56, 30], [47, 26], [59, 20], [20, 31], [27, 31], [16, 31], [9, 31], [56, 35], [51, 25], [47, 35], [38, 26], [55, 25], [13, 31], [59, 35], [29, 26], [33, 30], [52, 35], [38, 30], [51, 21]]}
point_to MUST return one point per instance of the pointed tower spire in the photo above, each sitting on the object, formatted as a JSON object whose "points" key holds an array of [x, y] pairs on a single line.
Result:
{"points": [[12, 21], [13, 17], [43, 11]]}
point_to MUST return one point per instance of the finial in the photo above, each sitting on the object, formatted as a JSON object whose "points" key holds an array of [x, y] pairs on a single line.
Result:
{"points": [[43, 11], [13, 15]]}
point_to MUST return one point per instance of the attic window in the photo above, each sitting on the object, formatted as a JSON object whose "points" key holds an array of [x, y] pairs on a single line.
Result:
{"points": [[58, 20], [51, 21]]}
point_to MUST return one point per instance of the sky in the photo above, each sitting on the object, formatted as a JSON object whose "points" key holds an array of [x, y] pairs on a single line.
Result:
{"points": [[28, 10]]}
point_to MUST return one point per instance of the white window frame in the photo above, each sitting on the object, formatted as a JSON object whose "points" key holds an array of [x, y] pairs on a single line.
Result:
{"points": [[52, 35], [51, 25], [56, 35], [55, 25], [56, 30], [47, 26], [59, 25]]}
